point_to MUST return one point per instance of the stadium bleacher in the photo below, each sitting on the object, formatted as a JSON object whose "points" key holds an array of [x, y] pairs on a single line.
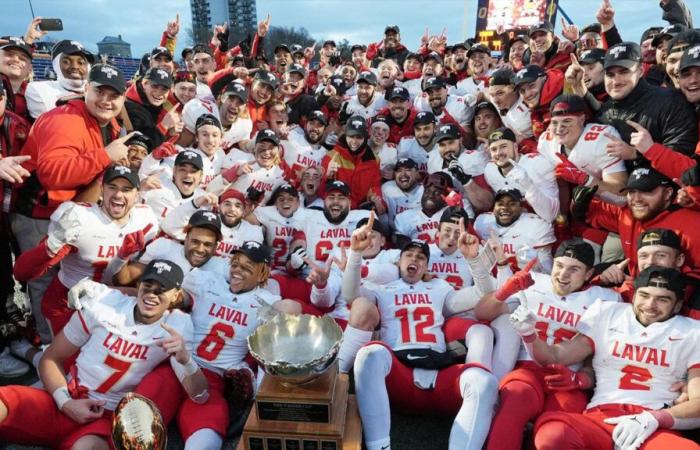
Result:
{"points": [[42, 65]]}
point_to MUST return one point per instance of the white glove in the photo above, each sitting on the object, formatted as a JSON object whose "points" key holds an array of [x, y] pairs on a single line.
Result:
{"points": [[523, 320], [65, 232], [518, 176], [632, 431], [296, 259], [331, 139], [81, 293]]}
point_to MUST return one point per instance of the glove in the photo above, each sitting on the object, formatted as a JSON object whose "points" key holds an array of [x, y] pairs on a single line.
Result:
{"points": [[164, 150], [520, 281], [239, 386], [296, 258], [523, 321], [456, 170], [561, 378], [632, 430], [566, 170], [454, 198], [83, 291], [133, 243], [66, 232], [231, 174], [691, 177], [254, 195], [518, 175], [581, 197]]}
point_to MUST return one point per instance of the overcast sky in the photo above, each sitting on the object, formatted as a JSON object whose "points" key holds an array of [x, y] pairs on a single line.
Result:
{"points": [[141, 22]]}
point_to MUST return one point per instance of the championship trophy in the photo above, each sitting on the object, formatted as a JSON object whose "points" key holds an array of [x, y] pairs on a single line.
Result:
{"points": [[138, 425], [303, 403]]}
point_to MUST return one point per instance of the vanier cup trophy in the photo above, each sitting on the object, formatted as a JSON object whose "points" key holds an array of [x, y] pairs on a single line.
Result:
{"points": [[303, 403]]}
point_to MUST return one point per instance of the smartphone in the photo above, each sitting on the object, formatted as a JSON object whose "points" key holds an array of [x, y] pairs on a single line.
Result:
{"points": [[51, 25]]}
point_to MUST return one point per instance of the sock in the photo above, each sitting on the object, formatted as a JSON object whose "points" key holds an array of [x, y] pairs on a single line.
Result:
{"points": [[479, 342], [382, 444], [506, 347], [353, 340], [471, 426], [204, 439], [37, 358], [20, 348], [372, 365]]}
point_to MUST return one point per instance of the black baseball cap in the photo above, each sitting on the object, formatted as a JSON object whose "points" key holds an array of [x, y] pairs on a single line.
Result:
{"points": [[424, 118], [189, 157], [659, 236], [267, 135], [68, 47], [339, 84], [682, 41], [691, 57], [141, 140], [624, 54], [390, 28], [279, 47], [478, 48], [501, 77], [577, 249], [286, 187], [399, 92], [502, 133], [646, 179], [356, 126], [452, 214], [542, 26], [202, 48], [161, 51], [329, 42], [296, 49], [515, 194], [358, 47], [568, 105], [186, 51], [592, 28], [405, 162], [519, 36], [592, 56], [236, 89], [165, 272], [380, 119], [417, 56], [650, 33], [434, 83], [267, 78], [377, 226], [116, 171], [297, 68], [667, 33], [107, 75], [485, 105], [465, 45], [447, 131], [662, 277], [317, 115], [257, 252], [528, 74], [206, 219], [158, 77], [368, 77], [17, 43], [435, 56], [337, 186], [420, 245], [207, 119]]}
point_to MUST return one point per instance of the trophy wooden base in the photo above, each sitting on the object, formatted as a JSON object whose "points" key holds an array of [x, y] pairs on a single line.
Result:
{"points": [[342, 432]]}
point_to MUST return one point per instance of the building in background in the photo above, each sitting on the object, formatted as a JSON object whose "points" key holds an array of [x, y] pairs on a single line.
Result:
{"points": [[241, 16], [114, 46]]}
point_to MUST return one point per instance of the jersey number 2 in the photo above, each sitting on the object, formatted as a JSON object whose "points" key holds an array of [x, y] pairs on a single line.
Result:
{"points": [[421, 319], [634, 378], [214, 342]]}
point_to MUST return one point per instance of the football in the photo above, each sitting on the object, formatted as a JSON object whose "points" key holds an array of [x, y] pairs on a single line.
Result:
{"points": [[138, 425]]}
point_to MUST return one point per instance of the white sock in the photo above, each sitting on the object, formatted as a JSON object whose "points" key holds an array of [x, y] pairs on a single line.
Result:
{"points": [[471, 426], [36, 359], [382, 444], [204, 439], [507, 346], [353, 340], [372, 365], [479, 342]]}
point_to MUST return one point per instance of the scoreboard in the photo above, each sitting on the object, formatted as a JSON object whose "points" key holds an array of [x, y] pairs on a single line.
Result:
{"points": [[516, 16]]}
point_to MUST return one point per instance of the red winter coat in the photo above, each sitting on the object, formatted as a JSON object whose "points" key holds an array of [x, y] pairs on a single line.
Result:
{"points": [[553, 86], [359, 171]]}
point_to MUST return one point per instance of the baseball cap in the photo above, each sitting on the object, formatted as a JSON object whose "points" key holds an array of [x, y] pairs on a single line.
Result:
{"points": [[106, 75], [283, 47], [502, 133], [659, 236], [184, 76], [256, 252], [667, 33], [189, 157], [650, 33], [390, 28], [519, 36], [691, 57], [528, 74], [206, 219], [434, 83], [297, 68], [358, 47], [452, 214], [568, 105], [161, 51], [465, 45], [447, 131], [68, 47], [236, 89], [377, 226], [478, 48], [317, 115], [202, 48], [424, 118], [577, 249], [286, 187], [296, 49], [438, 179], [501, 77], [405, 162], [485, 105], [420, 245], [542, 26], [417, 56], [186, 52], [339, 84], [368, 77], [662, 277], [624, 54], [592, 28], [434, 56], [267, 78], [267, 135], [337, 186], [380, 119], [116, 171], [515, 194], [158, 77], [207, 119], [232, 193], [646, 179], [682, 41], [329, 42], [141, 140], [17, 43], [356, 126], [592, 56], [399, 92], [165, 272]]}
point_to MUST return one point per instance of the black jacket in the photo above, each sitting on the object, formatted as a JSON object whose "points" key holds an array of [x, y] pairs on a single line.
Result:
{"points": [[144, 116], [676, 12]]}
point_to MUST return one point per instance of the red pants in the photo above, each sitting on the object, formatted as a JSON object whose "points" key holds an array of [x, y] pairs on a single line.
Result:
{"points": [[33, 419], [455, 328], [164, 389], [523, 398], [54, 306], [299, 290], [566, 430]]}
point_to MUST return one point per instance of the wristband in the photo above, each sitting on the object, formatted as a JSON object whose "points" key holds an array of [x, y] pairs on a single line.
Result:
{"points": [[590, 181], [664, 418], [191, 367], [61, 396]]}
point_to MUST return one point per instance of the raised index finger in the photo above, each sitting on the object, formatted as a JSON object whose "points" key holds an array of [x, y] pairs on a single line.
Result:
{"points": [[574, 60], [370, 221], [530, 265], [462, 227]]}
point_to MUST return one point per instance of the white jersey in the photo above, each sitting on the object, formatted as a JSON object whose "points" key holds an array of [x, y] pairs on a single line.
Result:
{"points": [[239, 130], [299, 154], [529, 231], [236, 157], [353, 106], [222, 320], [417, 225], [589, 152], [116, 352], [635, 364], [204, 92], [458, 107], [410, 148], [165, 199], [165, 248], [451, 268], [279, 231], [387, 156], [398, 201], [41, 96], [414, 87], [197, 107], [472, 162], [212, 165], [322, 237], [518, 118], [543, 196], [99, 239], [468, 86], [557, 316], [265, 180], [234, 237]]}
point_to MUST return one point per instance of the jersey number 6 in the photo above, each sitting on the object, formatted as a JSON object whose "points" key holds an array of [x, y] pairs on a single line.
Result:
{"points": [[214, 342]]}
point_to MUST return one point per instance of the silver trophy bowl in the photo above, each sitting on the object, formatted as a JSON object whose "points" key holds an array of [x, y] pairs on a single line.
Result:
{"points": [[296, 349]]}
